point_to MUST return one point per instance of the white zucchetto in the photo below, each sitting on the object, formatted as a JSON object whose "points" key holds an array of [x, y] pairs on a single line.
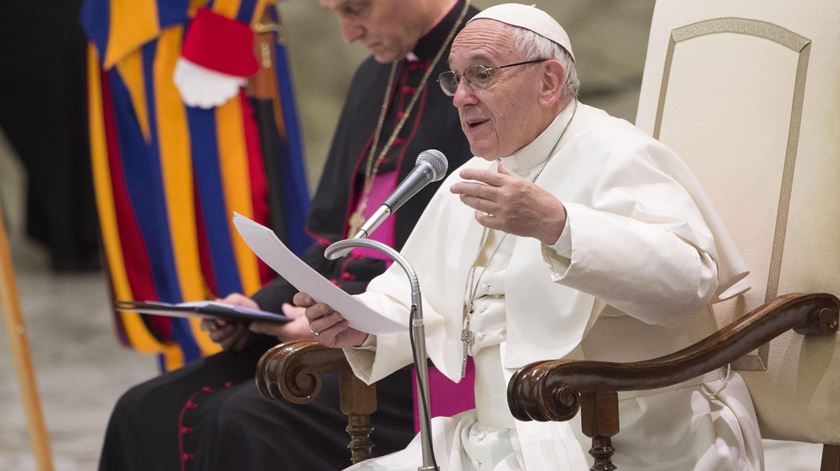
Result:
{"points": [[530, 18]]}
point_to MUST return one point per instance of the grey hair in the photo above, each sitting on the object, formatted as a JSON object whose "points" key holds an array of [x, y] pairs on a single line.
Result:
{"points": [[534, 46]]}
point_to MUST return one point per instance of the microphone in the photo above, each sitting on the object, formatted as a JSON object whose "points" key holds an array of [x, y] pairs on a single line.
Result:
{"points": [[430, 167]]}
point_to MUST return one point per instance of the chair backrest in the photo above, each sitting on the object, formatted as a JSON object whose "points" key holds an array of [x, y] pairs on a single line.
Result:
{"points": [[748, 93]]}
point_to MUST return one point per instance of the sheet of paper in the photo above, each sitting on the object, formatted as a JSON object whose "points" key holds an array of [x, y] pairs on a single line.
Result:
{"points": [[275, 254]]}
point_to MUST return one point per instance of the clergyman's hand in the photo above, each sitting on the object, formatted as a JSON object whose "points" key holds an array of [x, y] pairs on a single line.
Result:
{"points": [[507, 202], [230, 335], [297, 329], [327, 325]]}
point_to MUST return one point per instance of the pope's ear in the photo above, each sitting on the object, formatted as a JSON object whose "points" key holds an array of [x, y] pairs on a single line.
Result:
{"points": [[553, 78]]}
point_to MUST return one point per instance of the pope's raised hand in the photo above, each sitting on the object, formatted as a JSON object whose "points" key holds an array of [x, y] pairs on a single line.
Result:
{"points": [[507, 202], [327, 325]]}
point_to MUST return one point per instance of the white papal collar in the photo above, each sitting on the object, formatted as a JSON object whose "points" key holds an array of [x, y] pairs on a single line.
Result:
{"points": [[528, 157]]}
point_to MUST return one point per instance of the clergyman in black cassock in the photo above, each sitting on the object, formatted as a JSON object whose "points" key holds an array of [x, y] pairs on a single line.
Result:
{"points": [[209, 414]]}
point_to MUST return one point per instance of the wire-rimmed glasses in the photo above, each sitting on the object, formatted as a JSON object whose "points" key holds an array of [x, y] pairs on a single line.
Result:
{"points": [[477, 75]]}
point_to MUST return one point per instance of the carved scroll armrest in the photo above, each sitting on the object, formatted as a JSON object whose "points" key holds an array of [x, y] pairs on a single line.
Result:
{"points": [[292, 371], [553, 390]]}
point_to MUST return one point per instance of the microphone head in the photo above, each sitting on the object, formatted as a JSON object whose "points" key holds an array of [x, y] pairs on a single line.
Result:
{"points": [[436, 161]]}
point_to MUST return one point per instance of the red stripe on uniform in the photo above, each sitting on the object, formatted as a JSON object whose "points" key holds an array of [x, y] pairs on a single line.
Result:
{"points": [[138, 266], [256, 172]]}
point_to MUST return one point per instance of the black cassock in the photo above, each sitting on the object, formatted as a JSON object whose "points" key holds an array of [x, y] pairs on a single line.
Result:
{"points": [[209, 414]]}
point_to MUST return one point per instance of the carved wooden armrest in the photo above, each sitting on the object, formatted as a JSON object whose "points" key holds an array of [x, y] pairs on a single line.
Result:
{"points": [[557, 389], [292, 371]]}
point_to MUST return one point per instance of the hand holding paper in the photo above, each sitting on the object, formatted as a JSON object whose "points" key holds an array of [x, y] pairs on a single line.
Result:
{"points": [[270, 250], [297, 329], [330, 328]]}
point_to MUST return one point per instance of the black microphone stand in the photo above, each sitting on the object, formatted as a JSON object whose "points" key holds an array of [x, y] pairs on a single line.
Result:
{"points": [[417, 335]]}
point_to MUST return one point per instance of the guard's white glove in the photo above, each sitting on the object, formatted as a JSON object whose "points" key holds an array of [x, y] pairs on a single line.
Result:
{"points": [[216, 60], [203, 87]]}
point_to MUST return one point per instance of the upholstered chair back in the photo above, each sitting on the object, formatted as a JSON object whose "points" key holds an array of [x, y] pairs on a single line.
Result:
{"points": [[748, 93]]}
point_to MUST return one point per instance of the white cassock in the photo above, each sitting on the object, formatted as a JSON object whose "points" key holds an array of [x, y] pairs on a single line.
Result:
{"points": [[642, 255]]}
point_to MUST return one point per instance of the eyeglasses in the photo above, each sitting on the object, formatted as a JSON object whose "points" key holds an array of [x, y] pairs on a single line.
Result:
{"points": [[477, 75]]}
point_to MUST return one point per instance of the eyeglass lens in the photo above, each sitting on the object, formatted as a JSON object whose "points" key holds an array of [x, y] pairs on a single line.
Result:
{"points": [[477, 75]]}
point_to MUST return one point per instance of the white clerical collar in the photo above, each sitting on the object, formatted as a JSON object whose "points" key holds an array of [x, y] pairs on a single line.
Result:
{"points": [[534, 153], [412, 57]]}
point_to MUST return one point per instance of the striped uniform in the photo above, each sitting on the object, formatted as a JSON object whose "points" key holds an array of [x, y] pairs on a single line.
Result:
{"points": [[168, 177]]}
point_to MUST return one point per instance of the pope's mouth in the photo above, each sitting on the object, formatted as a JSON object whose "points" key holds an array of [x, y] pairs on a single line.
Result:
{"points": [[475, 123]]}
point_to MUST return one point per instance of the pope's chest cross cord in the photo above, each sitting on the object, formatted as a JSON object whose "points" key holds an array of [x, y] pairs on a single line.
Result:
{"points": [[467, 335]]}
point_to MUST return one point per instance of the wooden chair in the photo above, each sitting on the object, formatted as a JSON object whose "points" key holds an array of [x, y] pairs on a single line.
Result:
{"points": [[747, 93]]}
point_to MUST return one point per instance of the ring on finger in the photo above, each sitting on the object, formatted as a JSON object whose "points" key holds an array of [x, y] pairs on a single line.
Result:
{"points": [[313, 332]]}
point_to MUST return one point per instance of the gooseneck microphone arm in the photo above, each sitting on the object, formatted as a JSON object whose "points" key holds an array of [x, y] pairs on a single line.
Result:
{"points": [[430, 167], [417, 335]]}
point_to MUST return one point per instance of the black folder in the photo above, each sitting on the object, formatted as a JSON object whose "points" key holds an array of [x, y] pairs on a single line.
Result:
{"points": [[207, 309]]}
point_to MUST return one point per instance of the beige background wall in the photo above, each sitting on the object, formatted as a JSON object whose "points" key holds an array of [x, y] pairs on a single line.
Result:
{"points": [[609, 38]]}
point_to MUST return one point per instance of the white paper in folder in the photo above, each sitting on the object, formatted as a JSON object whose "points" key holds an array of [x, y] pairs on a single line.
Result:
{"points": [[275, 254]]}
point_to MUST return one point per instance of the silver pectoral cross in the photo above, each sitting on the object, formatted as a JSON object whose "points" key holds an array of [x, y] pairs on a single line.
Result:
{"points": [[467, 339]]}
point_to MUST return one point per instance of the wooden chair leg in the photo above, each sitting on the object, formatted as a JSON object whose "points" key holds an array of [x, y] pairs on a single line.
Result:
{"points": [[358, 401], [602, 450], [599, 421], [359, 428], [830, 458]]}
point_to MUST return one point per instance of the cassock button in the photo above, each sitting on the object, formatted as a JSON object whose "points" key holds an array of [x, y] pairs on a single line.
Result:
{"points": [[191, 404], [409, 90], [185, 430], [398, 142], [187, 456], [207, 389]]}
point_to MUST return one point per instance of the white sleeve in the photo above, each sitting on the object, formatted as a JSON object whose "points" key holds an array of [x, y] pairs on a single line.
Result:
{"points": [[648, 272], [369, 344], [391, 351], [563, 246]]}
